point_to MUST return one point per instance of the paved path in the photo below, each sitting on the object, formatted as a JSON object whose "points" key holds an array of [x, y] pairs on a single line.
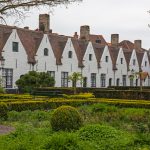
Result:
{"points": [[6, 129]]}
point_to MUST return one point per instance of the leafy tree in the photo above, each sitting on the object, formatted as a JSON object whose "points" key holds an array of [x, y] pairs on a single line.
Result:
{"points": [[20, 7], [35, 79], [75, 77]]}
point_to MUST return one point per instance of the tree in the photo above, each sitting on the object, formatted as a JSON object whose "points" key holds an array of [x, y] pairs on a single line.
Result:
{"points": [[75, 77], [35, 79], [19, 7]]}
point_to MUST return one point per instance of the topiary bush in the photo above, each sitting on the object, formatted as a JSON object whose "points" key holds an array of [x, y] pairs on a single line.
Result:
{"points": [[66, 118]]}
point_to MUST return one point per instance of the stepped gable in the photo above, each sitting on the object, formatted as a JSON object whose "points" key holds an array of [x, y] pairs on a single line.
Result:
{"points": [[80, 47], [98, 49], [5, 32], [139, 57], [31, 41], [97, 38], [114, 51], [58, 44]]}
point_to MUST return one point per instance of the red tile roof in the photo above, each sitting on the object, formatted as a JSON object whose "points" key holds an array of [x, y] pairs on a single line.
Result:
{"points": [[5, 32], [58, 44], [31, 41]]}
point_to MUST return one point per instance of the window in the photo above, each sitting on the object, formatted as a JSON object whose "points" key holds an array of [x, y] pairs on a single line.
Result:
{"points": [[110, 82], [103, 80], [131, 81], [45, 52], [124, 80], [145, 63], [90, 57], [93, 79], [15, 46], [134, 62], [121, 60], [64, 79], [70, 54], [106, 59], [51, 73], [98, 41], [7, 78], [117, 82]]}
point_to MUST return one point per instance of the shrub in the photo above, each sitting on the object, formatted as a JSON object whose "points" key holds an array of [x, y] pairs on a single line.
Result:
{"points": [[79, 96], [106, 137], [66, 118]]}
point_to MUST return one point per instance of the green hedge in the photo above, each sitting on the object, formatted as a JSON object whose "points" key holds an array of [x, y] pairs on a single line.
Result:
{"points": [[112, 92], [40, 105], [122, 94]]}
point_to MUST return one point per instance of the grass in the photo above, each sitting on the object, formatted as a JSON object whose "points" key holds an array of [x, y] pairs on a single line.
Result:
{"points": [[106, 127]]}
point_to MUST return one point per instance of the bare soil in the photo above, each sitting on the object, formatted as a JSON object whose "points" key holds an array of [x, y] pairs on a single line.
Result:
{"points": [[6, 129]]}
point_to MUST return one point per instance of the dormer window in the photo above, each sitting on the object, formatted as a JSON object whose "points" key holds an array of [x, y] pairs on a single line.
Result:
{"points": [[121, 60], [106, 59], [145, 63], [70, 54], [90, 57], [134, 62], [98, 41], [45, 52], [15, 46]]}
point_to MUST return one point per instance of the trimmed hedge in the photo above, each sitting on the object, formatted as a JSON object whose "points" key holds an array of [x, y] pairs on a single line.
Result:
{"points": [[40, 105], [108, 92], [119, 94]]}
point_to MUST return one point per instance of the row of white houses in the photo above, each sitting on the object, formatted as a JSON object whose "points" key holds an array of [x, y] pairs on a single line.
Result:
{"points": [[101, 64]]}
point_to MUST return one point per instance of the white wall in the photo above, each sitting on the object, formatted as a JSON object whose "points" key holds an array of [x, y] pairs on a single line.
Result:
{"points": [[15, 60], [121, 68], [106, 67], [90, 66]]}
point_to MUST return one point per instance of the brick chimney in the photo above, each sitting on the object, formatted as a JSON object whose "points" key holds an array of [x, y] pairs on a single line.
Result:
{"points": [[76, 35], [44, 22], [138, 44], [84, 32], [114, 39]]}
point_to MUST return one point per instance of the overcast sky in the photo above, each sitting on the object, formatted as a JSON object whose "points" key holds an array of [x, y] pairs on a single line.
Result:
{"points": [[128, 18]]}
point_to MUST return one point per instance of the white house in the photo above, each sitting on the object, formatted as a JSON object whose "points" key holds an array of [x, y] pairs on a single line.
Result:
{"points": [[102, 64]]}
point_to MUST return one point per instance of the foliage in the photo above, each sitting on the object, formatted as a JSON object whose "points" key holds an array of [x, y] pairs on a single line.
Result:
{"points": [[75, 77], [62, 141], [79, 96], [66, 118], [106, 137], [35, 79], [106, 127], [20, 7]]}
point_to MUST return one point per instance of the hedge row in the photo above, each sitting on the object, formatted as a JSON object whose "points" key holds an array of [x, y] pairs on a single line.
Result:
{"points": [[107, 92], [40, 105], [123, 94], [128, 103]]}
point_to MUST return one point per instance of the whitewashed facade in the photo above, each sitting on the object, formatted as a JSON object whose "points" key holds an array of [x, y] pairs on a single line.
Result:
{"points": [[102, 64]]}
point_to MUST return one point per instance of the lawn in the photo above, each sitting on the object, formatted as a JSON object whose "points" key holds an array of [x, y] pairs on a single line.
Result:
{"points": [[105, 127]]}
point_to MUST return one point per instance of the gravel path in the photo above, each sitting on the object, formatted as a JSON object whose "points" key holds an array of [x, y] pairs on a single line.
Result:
{"points": [[6, 129]]}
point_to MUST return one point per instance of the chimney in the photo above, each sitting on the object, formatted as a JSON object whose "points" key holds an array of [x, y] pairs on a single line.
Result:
{"points": [[114, 39], [26, 28], [44, 22], [76, 35], [137, 44], [85, 32]]}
